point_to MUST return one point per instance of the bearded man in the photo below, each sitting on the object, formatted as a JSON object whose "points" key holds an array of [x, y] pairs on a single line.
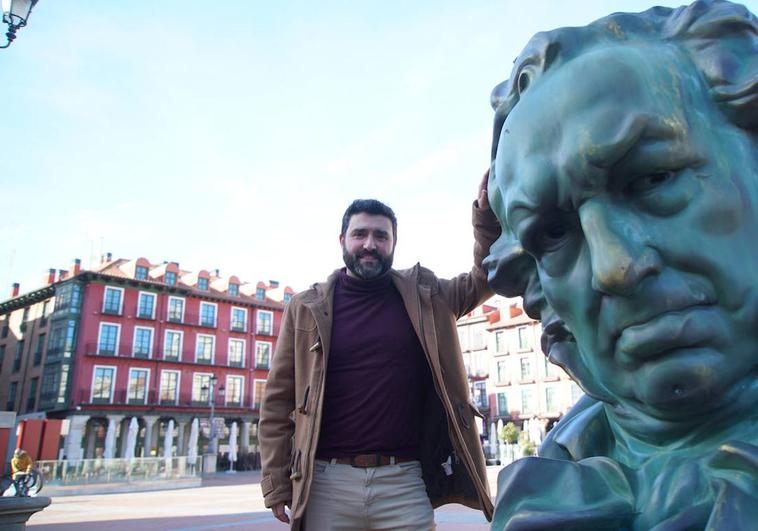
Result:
{"points": [[366, 421]]}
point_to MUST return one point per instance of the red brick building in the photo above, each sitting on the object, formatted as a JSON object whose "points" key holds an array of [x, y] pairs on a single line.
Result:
{"points": [[129, 338]]}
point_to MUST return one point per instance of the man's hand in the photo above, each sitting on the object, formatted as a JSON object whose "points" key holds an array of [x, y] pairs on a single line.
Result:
{"points": [[280, 513], [482, 201]]}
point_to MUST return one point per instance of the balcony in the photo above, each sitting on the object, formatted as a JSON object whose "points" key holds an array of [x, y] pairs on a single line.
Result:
{"points": [[174, 317], [238, 327], [112, 310]]}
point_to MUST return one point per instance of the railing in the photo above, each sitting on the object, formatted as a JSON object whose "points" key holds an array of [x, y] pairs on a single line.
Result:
{"points": [[89, 471]]}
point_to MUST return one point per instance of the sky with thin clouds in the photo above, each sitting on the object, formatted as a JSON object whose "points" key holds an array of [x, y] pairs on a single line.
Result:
{"points": [[232, 135]]}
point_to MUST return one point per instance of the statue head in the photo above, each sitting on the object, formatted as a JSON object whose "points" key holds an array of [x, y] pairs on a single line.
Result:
{"points": [[625, 176]]}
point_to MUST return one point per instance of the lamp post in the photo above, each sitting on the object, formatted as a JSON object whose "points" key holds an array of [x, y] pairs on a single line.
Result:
{"points": [[212, 445], [16, 14]]}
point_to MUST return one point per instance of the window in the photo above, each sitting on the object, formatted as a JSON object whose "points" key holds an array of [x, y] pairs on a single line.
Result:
{"points": [[207, 314], [146, 306], [169, 387], [172, 347], [175, 309], [477, 338], [49, 390], [239, 319], [17, 357], [258, 389], [25, 315], [12, 390], [143, 342], [234, 289], [550, 369], [234, 386], [63, 384], [202, 283], [523, 339], [5, 332], [500, 343], [137, 390], [68, 297], [260, 293], [38, 349], [103, 380], [463, 337], [236, 352], [576, 393], [45, 310], [264, 325], [108, 339], [502, 372], [480, 395], [527, 407], [31, 400], [204, 348], [502, 404], [170, 278], [112, 300], [262, 354], [140, 272], [201, 384], [526, 369], [2, 355], [550, 404]]}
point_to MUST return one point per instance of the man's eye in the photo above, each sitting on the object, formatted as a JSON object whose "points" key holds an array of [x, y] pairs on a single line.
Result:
{"points": [[646, 183]]}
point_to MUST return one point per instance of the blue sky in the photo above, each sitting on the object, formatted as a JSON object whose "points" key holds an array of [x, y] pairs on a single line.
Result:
{"points": [[233, 137]]}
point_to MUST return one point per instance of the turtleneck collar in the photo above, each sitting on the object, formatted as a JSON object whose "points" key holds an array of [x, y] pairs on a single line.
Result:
{"points": [[367, 286]]}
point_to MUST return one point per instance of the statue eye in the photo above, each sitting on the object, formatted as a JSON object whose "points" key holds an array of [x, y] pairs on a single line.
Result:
{"points": [[646, 183], [552, 235]]}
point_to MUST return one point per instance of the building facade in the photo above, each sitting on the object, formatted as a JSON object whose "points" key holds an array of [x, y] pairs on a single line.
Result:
{"points": [[128, 338], [510, 379]]}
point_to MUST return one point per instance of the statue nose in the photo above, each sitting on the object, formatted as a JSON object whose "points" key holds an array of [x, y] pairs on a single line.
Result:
{"points": [[620, 255]]}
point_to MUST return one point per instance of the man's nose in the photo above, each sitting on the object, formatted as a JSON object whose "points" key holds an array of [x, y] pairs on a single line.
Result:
{"points": [[369, 243], [620, 254]]}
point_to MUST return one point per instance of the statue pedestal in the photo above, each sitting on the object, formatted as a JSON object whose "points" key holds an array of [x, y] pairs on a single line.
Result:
{"points": [[15, 511], [209, 464]]}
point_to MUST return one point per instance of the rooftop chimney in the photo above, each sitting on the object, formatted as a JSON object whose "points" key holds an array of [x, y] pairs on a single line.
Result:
{"points": [[62, 274], [15, 289], [273, 284], [77, 266], [108, 257], [50, 276]]}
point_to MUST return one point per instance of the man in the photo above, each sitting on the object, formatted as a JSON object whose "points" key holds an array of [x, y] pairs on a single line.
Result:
{"points": [[366, 421], [626, 182], [21, 467]]}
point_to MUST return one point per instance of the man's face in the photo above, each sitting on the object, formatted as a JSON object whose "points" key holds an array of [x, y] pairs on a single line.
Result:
{"points": [[368, 246], [639, 203]]}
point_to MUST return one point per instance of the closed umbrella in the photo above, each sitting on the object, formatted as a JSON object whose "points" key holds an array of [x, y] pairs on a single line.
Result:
{"points": [[232, 446], [168, 443], [131, 438], [192, 446], [493, 439], [110, 440]]}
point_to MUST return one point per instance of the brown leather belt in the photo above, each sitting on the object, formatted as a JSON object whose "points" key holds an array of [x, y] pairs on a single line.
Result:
{"points": [[370, 460]]}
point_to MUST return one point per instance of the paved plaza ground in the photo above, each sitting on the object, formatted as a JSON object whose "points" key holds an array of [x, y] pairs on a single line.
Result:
{"points": [[224, 501]]}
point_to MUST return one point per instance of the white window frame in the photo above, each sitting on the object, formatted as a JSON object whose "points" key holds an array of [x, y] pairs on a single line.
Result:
{"points": [[147, 383], [168, 308], [92, 382], [120, 302], [152, 341], [242, 388], [270, 354], [192, 388], [231, 319], [155, 304], [100, 332], [181, 343], [213, 347], [229, 351], [178, 385], [257, 329], [215, 314], [256, 399]]}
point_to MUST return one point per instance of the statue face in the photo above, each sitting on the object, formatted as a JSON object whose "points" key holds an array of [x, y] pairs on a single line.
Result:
{"points": [[639, 203]]}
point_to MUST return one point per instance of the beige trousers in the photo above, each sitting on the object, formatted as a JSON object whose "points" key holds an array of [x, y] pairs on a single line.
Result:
{"points": [[346, 498]]}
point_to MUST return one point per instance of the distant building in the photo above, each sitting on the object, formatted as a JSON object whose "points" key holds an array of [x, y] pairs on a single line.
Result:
{"points": [[129, 338], [510, 378]]}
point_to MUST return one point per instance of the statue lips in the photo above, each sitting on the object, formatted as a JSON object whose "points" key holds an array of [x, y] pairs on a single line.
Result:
{"points": [[694, 326]]}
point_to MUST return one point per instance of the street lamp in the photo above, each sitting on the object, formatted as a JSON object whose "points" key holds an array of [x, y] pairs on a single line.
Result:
{"points": [[212, 446], [16, 14]]}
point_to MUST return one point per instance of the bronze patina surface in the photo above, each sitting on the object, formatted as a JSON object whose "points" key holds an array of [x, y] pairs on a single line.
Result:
{"points": [[625, 176]]}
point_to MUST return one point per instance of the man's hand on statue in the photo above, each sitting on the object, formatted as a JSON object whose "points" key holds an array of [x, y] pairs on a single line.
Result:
{"points": [[280, 513], [482, 201]]}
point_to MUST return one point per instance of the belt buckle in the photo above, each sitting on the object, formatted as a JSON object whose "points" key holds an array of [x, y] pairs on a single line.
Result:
{"points": [[365, 461]]}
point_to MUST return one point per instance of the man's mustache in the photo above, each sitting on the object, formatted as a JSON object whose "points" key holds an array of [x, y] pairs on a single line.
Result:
{"points": [[369, 253]]}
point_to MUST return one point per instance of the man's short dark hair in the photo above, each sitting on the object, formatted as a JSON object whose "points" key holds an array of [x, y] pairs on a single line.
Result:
{"points": [[371, 207]]}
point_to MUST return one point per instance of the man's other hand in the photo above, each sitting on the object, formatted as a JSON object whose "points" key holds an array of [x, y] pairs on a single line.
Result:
{"points": [[280, 513], [482, 201]]}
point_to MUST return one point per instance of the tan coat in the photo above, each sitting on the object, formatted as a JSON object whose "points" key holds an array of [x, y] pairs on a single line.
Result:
{"points": [[292, 403]]}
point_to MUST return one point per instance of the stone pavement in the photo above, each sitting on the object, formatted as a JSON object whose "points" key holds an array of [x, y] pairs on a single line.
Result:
{"points": [[223, 501]]}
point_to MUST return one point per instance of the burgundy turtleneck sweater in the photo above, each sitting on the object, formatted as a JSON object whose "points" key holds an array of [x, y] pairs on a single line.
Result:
{"points": [[377, 374]]}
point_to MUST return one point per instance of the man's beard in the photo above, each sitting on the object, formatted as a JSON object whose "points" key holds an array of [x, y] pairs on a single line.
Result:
{"points": [[366, 271]]}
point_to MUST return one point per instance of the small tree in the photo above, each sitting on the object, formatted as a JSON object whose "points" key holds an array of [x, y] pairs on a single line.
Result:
{"points": [[528, 448], [509, 433]]}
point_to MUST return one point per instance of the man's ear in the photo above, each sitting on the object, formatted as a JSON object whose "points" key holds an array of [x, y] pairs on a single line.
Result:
{"points": [[342, 239]]}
